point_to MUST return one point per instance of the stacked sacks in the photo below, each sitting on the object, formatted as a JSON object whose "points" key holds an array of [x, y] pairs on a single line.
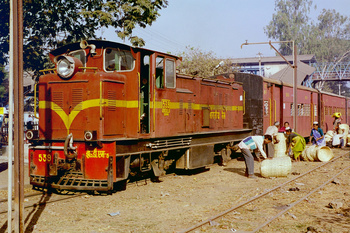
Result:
{"points": [[316, 153], [281, 147]]}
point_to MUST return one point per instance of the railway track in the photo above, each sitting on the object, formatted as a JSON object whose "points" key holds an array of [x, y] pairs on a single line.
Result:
{"points": [[39, 198], [263, 209]]}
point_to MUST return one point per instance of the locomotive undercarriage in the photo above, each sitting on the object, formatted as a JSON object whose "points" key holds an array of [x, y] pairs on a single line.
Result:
{"points": [[185, 152], [138, 159]]}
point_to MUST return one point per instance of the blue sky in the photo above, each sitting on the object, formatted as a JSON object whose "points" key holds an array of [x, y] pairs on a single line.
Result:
{"points": [[220, 26]]}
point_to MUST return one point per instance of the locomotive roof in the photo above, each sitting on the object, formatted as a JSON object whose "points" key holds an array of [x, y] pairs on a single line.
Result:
{"points": [[104, 44]]}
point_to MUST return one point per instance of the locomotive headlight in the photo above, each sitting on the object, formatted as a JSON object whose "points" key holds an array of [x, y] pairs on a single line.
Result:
{"points": [[67, 66]]}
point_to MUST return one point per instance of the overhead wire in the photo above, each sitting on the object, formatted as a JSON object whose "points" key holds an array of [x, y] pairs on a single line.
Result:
{"points": [[159, 40]]}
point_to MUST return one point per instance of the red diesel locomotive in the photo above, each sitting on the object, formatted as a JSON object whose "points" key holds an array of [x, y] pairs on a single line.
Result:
{"points": [[109, 111]]}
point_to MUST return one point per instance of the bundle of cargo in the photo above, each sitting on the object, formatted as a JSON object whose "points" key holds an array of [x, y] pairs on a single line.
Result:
{"points": [[317, 153], [280, 147], [276, 167], [329, 135]]}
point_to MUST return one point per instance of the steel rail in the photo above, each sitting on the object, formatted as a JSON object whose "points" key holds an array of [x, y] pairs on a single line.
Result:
{"points": [[256, 197], [300, 200], [47, 202], [25, 196]]}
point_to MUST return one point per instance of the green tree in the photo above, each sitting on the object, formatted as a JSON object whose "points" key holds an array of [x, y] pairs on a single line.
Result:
{"points": [[328, 38], [333, 40], [51, 23], [290, 22], [204, 64]]}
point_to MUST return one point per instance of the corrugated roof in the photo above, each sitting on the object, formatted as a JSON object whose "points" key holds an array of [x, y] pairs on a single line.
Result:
{"points": [[286, 74], [253, 61]]}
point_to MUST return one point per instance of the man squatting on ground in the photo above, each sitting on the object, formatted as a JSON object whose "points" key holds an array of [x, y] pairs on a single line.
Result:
{"points": [[252, 143]]}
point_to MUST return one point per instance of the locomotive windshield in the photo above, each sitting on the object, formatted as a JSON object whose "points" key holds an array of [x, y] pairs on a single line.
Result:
{"points": [[80, 54], [118, 60]]}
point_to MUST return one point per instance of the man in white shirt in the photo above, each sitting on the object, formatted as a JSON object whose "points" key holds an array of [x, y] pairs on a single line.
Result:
{"points": [[272, 131], [249, 144]]}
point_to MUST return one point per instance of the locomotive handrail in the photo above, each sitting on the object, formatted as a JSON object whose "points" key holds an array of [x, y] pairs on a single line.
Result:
{"points": [[35, 101], [47, 70], [89, 68], [139, 102], [154, 103], [100, 100], [47, 147]]}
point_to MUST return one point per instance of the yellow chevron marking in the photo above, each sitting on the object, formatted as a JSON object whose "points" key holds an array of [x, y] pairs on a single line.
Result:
{"points": [[166, 106], [68, 119]]}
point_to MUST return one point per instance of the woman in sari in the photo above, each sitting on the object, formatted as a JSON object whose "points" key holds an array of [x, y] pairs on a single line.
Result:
{"points": [[317, 136], [296, 142]]}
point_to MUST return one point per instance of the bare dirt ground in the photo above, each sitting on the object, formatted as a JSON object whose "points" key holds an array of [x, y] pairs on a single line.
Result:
{"points": [[180, 201]]}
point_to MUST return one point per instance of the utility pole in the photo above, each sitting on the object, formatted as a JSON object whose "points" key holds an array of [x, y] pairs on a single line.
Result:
{"points": [[259, 54], [16, 103]]}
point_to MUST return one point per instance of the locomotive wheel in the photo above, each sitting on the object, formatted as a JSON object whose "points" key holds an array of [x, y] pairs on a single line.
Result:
{"points": [[120, 185]]}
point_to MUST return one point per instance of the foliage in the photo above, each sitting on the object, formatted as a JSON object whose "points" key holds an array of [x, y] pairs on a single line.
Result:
{"points": [[200, 63], [51, 23], [290, 22], [3, 90], [328, 38], [334, 37]]}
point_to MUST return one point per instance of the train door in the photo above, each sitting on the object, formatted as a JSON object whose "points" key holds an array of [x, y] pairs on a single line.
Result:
{"points": [[114, 108], [144, 94]]}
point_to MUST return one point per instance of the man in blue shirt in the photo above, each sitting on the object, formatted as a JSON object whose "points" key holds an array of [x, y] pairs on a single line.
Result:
{"points": [[253, 143]]}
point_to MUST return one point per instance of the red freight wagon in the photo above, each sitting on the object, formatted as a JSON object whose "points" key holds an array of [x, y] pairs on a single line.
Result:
{"points": [[268, 100], [331, 103]]}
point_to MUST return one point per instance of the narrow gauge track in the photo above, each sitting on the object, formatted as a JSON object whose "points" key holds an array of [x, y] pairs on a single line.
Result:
{"points": [[293, 194], [47, 197]]}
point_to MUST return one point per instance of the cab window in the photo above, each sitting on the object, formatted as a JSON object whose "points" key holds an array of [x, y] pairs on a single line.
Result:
{"points": [[80, 55], [170, 73], [118, 60], [160, 72]]}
